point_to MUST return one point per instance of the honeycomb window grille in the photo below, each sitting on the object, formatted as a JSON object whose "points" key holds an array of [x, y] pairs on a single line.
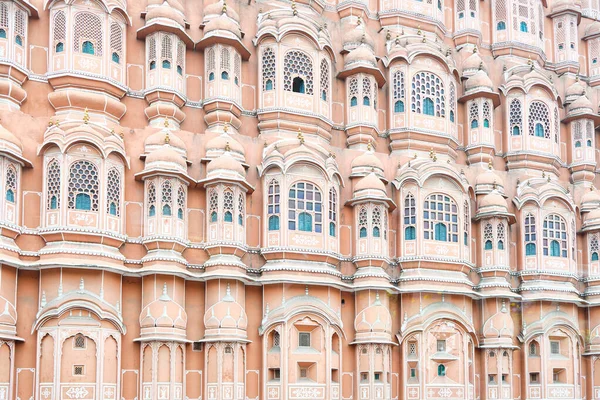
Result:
{"points": [[87, 29], [273, 206], [116, 42], [228, 206], [556, 125], [151, 200], [577, 134], [452, 102], [376, 222], [213, 205], [399, 90], [83, 186], [297, 64], [410, 217], [180, 58], [412, 348], [440, 218], [487, 115], [152, 52], [594, 246], [78, 370], [181, 202], [530, 235], [241, 210], [305, 208], [324, 80], [276, 339], [500, 236], [237, 68], [332, 212], [362, 223], [474, 115], [166, 52], [167, 198], [20, 27], [79, 342], [225, 59], [11, 184], [488, 237], [554, 236], [573, 238], [268, 69], [113, 193], [467, 221], [353, 92], [516, 117], [4, 16], [53, 180], [428, 95], [366, 91], [539, 120]]}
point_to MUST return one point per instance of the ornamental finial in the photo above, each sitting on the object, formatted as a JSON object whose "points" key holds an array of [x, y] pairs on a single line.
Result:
{"points": [[224, 9], [227, 147], [300, 136], [474, 49], [167, 138], [490, 165], [86, 116], [166, 123], [369, 147], [294, 11], [226, 128]]}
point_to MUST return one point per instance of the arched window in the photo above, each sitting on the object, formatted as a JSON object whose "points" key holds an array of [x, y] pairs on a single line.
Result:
{"points": [[225, 63], [225, 75], [19, 40], [399, 106], [366, 101], [180, 202], [539, 120], [180, 58], [332, 212], [298, 85], [474, 115], [376, 222], [324, 79], [500, 236], [113, 192], [11, 184], [441, 371], [79, 341], [516, 117], [273, 205], [166, 64], [594, 248], [152, 65], [211, 76], [180, 70], [53, 180], [298, 72], [59, 31], [228, 206], [399, 91], [488, 237], [428, 95], [452, 101], [268, 69], [588, 143], [410, 217], [533, 348], [151, 200], [59, 48], [88, 48], [353, 101], [167, 198], [467, 221], [555, 236], [523, 27], [530, 235], [501, 25], [439, 207], [305, 202], [2, 33], [116, 42], [241, 209], [362, 223], [486, 114], [83, 186], [88, 34], [213, 205]]}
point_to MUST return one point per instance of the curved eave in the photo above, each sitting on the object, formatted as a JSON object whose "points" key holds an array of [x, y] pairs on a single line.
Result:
{"points": [[119, 8], [204, 182], [494, 96], [386, 200], [566, 10], [162, 338], [31, 10], [493, 214], [140, 176], [17, 157], [217, 37], [157, 26], [582, 115], [373, 341], [591, 36], [357, 68]]}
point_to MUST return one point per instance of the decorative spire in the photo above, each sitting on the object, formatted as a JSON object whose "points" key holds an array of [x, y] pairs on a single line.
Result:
{"points": [[474, 49], [359, 20], [86, 116], [419, 30], [490, 165], [369, 147], [167, 138], [306, 290], [432, 155], [227, 147], [300, 136], [165, 294], [503, 309], [224, 9], [166, 124], [294, 10], [81, 285], [43, 302], [226, 128], [388, 35]]}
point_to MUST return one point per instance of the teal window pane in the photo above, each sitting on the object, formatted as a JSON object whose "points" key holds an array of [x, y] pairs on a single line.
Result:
{"points": [[530, 249], [376, 232], [363, 232], [595, 256], [211, 76], [228, 216], [501, 26], [399, 106], [353, 101], [366, 101], [179, 70], [523, 27], [2, 34], [112, 209], [441, 232], [269, 85], [116, 58], [500, 245], [152, 65], [410, 233], [428, 108], [441, 370], [332, 229], [516, 131], [19, 40], [554, 249], [273, 223], [240, 219], [166, 210], [59, 48], [83, 201], [225, 75], [88, 48], [474, 124], [180, 213], [486, 123], [539, 130], [166, 64], [53, 203], [298, 85], [213, 216], [152, 211], [305, 222], [488, 245], [10, 195]]}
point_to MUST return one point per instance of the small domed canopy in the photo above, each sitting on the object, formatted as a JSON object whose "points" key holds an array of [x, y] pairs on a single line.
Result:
{"points": [[163, 318], [166, 155], [222, 143], [356, 35], [582, 107], [216, 9], [224, 29], [362, 59], [487, 181], [367, 163], [591, 221], [226, 168], [11, 146], [574, 91], [165, 16], [361, 54], [371, 188], [159, 138], [473, 63], [226, 319], [592, 31], [590, 200], [373, 323], [493, 205], [165, 12], [223, 23], [479, 80], [499, 328]]}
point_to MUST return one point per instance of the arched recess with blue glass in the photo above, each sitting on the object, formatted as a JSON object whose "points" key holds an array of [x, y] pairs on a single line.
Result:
{"points": [[305, 208], [88, 48], [83, 186]]}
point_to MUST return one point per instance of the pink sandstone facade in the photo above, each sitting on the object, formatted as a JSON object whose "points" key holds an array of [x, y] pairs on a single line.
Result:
{"points": [[316, 199]]}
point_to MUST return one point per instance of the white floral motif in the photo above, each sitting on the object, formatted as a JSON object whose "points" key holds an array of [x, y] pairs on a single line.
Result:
{"points": [[445, 392], [77, 393], [306, 393]]}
